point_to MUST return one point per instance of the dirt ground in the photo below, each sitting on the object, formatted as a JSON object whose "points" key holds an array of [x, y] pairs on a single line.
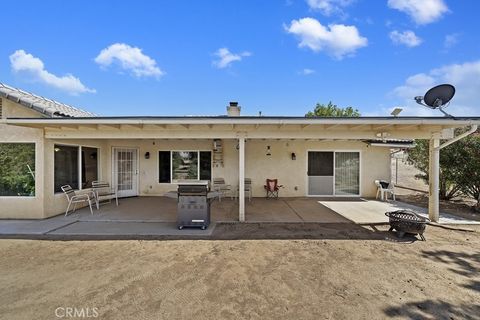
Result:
{"points": [[337, 278]]}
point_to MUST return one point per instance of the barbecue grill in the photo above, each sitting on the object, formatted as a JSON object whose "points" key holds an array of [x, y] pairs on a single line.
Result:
{"points": [[193, 204], [407, 221]]}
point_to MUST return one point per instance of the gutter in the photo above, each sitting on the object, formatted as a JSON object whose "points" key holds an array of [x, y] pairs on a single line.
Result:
{"points": [[473, 128], [244, 121]]}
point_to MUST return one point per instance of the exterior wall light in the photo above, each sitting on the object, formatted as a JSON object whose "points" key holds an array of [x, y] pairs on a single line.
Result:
{"points": [[147, 155], [269, 153], [294, 156]]}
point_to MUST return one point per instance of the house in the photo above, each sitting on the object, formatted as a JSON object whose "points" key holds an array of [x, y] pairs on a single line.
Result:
{"points": [[54, 144]]}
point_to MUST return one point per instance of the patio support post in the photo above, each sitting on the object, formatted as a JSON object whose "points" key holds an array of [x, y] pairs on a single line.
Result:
{"points": [[434, 179], [241, 179]]}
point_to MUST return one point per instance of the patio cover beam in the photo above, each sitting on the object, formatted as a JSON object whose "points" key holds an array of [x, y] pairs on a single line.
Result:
{"points": [[241, 179], [114, 133]]}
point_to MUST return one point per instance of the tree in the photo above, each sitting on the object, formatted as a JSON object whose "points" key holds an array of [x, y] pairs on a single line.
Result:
{"points": [[419, 155], [17, 163], [459, 166], [468, 155], [332, 110]]}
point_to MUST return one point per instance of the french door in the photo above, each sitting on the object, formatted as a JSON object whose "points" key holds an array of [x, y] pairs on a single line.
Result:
{"points": [[332, 173], [125, 171]]}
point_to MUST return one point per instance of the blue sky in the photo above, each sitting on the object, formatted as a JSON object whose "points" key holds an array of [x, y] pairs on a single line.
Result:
{"points": [[278, 57]]}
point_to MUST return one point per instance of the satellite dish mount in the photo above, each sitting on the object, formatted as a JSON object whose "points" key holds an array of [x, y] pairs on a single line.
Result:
{"points": [[437, 98]]}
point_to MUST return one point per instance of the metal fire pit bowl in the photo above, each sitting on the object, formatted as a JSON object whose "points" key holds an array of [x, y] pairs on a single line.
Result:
{"points": [[407, 221]]}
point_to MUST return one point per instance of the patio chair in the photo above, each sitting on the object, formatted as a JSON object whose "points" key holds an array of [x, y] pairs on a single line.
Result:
{"points": [[384, 188], [222, 188], [272, 187], [248, 189], [103, 191], [73, 197]]}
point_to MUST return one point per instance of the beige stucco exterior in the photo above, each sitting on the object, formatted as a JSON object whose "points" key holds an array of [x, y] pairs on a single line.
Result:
{"points": [[24, 207], [148, 136]]}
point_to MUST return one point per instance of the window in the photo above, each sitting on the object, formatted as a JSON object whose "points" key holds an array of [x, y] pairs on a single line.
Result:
{"points": [[17, 169], [164, 167], [184, 165], [67, 167], [205, 165], [89, 166]]}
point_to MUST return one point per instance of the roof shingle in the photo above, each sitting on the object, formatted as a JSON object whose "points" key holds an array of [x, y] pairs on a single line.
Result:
{"points": [[48, 107]]}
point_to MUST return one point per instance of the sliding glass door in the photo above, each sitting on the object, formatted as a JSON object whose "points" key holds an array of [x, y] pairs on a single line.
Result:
{"points": [[333, 173], [347, 173]]}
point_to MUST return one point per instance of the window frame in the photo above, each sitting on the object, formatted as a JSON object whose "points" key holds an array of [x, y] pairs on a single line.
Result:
{"points": [[79, 160], [172, 181]]}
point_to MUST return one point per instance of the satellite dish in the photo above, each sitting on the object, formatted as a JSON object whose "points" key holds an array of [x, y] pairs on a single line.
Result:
{"points": [[437, 98]]}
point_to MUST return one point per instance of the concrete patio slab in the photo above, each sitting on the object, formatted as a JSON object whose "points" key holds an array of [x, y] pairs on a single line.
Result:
{"points": [[12, 227], [372, 211], [312, 211], [132, 229]]}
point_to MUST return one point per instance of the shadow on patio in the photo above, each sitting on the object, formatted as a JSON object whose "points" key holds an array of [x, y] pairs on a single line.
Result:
{"points": [[162, 209]]}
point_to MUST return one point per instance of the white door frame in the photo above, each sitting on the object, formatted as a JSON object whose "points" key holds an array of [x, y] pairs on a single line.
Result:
{"points": [[137, 169]]}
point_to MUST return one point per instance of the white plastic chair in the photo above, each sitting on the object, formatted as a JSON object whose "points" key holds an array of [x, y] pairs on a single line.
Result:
{"points": [[74, 198], [384, 188]]}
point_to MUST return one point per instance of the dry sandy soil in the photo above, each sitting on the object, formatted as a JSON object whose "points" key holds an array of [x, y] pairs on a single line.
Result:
{"points": [[246, 279]]}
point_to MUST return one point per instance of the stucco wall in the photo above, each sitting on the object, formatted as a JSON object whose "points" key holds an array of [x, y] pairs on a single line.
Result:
{"points": [[258, 166], [291, 173], [23, 207]]}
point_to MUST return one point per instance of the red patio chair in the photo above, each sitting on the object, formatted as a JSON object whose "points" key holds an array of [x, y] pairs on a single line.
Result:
{"points": [[272, 187]]}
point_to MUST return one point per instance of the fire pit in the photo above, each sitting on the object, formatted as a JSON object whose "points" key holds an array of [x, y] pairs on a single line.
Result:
{"points": [[407, 221]]}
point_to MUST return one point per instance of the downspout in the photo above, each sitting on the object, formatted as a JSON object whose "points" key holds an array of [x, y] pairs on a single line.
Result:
{"points": [[434, 171]]}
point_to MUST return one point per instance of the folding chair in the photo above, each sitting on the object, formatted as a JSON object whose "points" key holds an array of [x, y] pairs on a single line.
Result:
{"points": [[272, 187]]}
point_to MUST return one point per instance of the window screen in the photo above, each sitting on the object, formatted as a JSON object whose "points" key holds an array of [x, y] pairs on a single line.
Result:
{"points": [[320, 163], [164, 167]]}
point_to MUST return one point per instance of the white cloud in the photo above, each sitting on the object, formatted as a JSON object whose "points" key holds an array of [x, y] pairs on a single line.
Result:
{"points": [[465, 77], [23, 62], [129, 58], [307, 72], [408, 38], [421, 11], [329, 7], [337, 40], [226, 58]]}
